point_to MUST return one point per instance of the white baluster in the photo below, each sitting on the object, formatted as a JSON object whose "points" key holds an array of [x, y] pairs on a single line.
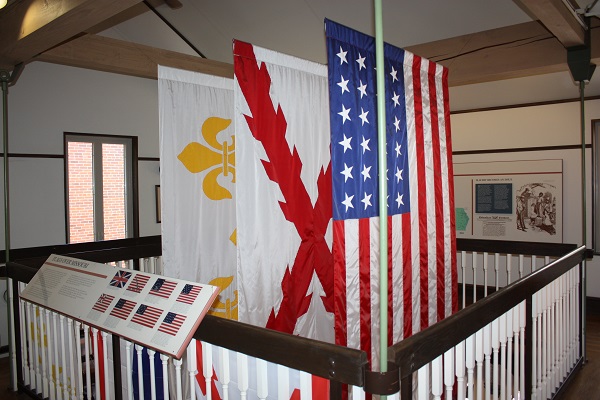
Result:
{"points": [[283, 382], [305, 386], [139, 349], [544, 343], [479, 359], [358, 393], [130, 264], [128, 364], [178, 387], [96, 362], [534, 346], [242, 373], [521, 265], [44, 343], [533, 263], [12, 341], [474, 276], [495, 347], [449, 372], [77, 335], [516, 349], [224, 373], [207, 367], [71, 356], [485, 274], [496, 267], [503, 365], [552, 333], [165, 373], [105, 357], [192, 363], [24, 340], [262, 379], [487, 351], [470, 364], [51, 340], [151, 355], [460, 370], [30, 341], [88, 373], [463, 266], [37, 341], [522, 322], [423, 385], [56, 361], [63, 352], [437, 378], [508, 269], [508, 394]]}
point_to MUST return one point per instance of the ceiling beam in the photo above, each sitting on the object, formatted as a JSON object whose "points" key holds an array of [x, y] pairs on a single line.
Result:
{"points": [[30, 27], [559, 19], [112, 55], [511, 52]]}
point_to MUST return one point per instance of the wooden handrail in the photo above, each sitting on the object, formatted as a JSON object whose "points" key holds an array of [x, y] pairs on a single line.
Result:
{"points": [[423, 347], [511, 247]]}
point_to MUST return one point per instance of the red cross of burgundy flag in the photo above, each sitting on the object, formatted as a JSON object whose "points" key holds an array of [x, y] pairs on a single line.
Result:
{"points": [[283, 189], [422, 286]]}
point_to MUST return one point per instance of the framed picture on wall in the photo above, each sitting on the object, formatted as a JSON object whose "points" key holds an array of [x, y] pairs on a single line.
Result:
{"points": [[157, 195]]}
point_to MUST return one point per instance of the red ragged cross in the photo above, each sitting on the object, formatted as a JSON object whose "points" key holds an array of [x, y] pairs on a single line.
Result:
{"points": [[269, 126]]}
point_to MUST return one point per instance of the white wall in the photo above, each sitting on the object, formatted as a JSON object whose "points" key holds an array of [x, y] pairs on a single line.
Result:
{"points": [[531, 127], [49, 100]]}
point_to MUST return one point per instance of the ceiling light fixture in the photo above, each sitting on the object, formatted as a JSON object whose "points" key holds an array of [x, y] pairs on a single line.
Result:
{"points": [[3, 3]]}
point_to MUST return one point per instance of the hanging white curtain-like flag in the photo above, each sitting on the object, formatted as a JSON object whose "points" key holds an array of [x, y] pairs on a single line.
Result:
{"points": [[197, 175], [285, 274], [421, 237]]}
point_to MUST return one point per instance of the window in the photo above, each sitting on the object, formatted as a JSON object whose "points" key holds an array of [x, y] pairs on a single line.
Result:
{"points": [[99, 182]]}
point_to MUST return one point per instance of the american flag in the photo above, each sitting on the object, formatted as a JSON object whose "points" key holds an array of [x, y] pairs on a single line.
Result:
{"points": [[172, 323], [120, 279], [138, 283], [421, 238], [103, 302], [162, 288], [123, 308], [188, 294], [146, 315]]}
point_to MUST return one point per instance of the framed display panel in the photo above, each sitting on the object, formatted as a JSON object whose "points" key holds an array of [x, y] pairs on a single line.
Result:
{"points": [[509, 200]]}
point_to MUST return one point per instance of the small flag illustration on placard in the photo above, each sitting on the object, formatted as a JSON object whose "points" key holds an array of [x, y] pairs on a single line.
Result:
{"points": [[172, 323], [188, 294], [123, 308], [120, 279], [138, 283], [103, 302], [146, 315], [162, 288]]}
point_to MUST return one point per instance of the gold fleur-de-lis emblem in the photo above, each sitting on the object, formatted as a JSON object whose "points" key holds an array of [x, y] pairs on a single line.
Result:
{"points": [[226, 308], [220, 159]]}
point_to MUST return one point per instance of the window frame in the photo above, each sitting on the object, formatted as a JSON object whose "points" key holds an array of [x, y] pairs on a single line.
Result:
{"points": [[131, 181]]}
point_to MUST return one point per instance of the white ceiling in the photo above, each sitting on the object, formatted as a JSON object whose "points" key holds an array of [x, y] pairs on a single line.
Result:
{"points": [[296, 27]]}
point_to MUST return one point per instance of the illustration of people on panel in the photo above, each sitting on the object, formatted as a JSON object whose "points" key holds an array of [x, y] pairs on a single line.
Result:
{"points": [[521, 202]]}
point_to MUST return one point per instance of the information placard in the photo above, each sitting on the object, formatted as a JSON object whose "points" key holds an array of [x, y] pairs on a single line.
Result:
{"points": [[158, 312], [509, 200]]}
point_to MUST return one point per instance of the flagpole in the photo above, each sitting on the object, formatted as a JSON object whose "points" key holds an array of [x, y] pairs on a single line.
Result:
{"points": [[382, 168]]}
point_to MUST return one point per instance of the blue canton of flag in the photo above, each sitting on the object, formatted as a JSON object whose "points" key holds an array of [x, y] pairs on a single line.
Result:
{"points": [[353, 116], [120, 279]]}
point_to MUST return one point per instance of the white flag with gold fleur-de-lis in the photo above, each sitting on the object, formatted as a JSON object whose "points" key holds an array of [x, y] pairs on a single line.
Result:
{"points": [[197, 176]]}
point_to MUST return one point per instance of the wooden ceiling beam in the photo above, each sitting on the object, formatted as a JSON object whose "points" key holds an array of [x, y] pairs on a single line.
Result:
{"points": [[30, 27], [112, 55], [559, 19], [510, 52]]}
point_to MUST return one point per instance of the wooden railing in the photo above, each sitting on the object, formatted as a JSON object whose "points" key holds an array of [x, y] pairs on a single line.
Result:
{"points": [[342, 366]]}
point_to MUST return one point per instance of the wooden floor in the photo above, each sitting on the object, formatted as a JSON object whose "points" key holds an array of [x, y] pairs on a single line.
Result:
{"points": [[586, 384]]}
